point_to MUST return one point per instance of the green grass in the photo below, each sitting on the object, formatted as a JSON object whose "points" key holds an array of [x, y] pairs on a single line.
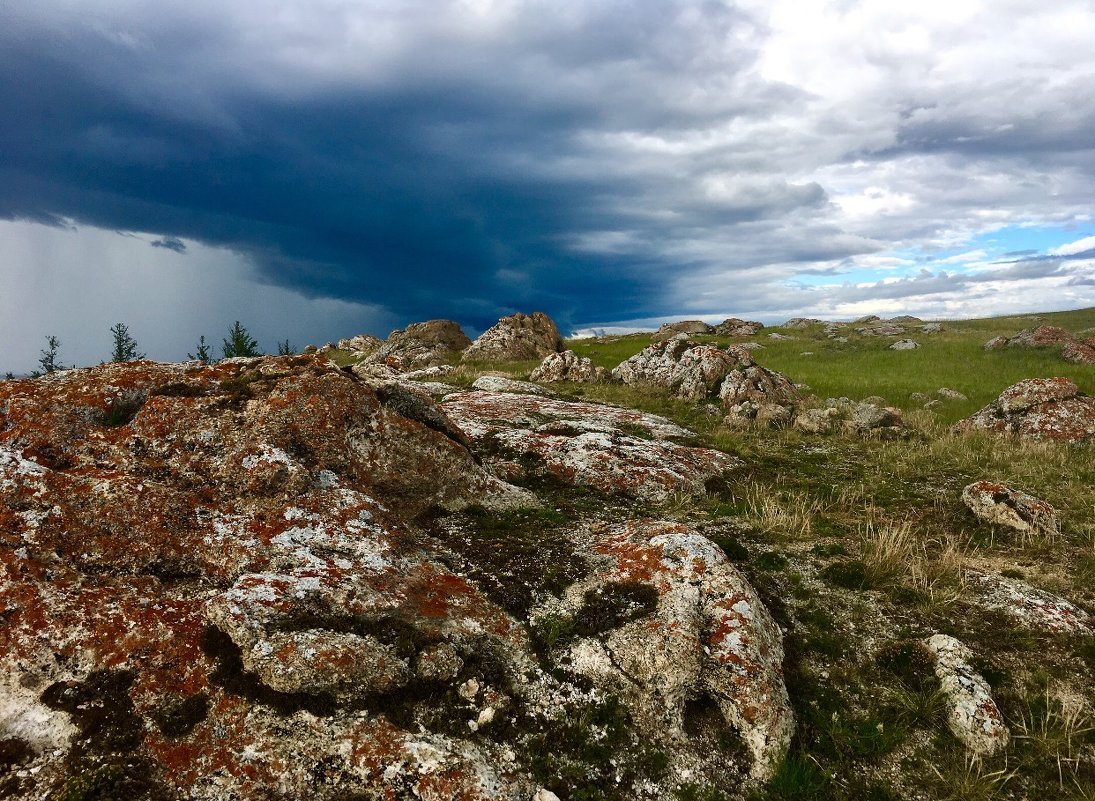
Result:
{"points": [[865, 366]]}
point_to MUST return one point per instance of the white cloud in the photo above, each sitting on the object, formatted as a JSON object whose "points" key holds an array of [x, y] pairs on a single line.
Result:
{"points": [[1072, 248]]}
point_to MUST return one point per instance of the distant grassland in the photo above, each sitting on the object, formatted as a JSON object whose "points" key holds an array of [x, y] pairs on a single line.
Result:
{"points": [[865, 366]]}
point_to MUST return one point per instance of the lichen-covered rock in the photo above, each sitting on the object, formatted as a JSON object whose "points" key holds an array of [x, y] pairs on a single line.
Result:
{"points": [[690, 635], [999, 505], [734, 327], [881, 329], [1071, 348], [862, 418], [499, 383], [613, 450], [519, 337], [905, 344], [421, 345], [687, 327], [1038, 408], [932, 328], [697, 372], [362, 343], [1029, 606], [802, 322], [567, 366], [972, 714], [199, 553], [950, 394]]}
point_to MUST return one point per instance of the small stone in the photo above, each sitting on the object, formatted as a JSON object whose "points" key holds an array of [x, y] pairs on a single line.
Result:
{"points": [[544, 795], [469, 689], [486, 715], [905, 344]]}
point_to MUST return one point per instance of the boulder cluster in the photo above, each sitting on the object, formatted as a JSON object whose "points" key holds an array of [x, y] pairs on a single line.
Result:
{"points": [[1072, 348], [1038, 408]]}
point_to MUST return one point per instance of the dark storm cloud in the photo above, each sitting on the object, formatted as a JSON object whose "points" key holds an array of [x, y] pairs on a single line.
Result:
{"points": [[602, 161], [169, 243], [433, 195]]}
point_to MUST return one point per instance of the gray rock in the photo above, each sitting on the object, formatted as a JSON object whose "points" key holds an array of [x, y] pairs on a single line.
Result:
{"points": [[999, 505], [905, 344], [972, 714], [519, 337], [567, 366], [497, 383], [669, 330], [420, 345]]}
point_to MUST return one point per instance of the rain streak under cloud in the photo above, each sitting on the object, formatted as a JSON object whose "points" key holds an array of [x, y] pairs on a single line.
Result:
{"points": [[320, 169]]}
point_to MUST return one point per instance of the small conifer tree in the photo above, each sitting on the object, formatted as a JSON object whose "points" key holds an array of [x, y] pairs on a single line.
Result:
{"points": [[48, 361], [125, 346], [202, 352], [285, 349], [240, 343]]}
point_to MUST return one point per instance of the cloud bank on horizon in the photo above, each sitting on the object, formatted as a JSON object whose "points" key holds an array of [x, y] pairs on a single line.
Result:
{"points": [[345, 166]]}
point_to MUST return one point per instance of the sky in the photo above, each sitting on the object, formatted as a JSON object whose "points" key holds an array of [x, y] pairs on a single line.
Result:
{"points": [[322, 168]]}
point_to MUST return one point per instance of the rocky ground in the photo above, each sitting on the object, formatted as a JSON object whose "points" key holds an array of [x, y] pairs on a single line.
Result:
{"points": [[402, 570]]}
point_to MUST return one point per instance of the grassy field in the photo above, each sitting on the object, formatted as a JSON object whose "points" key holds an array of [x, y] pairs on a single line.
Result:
{"points": [[865, 366]]}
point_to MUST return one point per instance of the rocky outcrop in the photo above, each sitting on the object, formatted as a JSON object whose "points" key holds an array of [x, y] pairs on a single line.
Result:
{"points": [[704, 643], [362, 343], [613, 450], [567, 366], [1038, 408], [734, 327], [1030, 607], [421, 345], [972, 714], [802, 322], [199, 556], [696, 372], [1071, 348], [999, 505], [860, 418], [211, 587], [519, 337], [881, 329], [688, 327], [499, 383]]}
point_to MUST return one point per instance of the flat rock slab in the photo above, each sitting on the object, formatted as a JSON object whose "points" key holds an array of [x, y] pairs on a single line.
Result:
{"points": [[610, 449], [1029, 606]]}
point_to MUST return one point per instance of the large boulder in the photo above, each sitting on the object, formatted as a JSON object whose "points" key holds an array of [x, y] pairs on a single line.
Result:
{"points": [[802, 322], [421, 345], [1072, 348], [1038, 408], [702, 646], [516, 338], [364, 344], [613, 450], [687, 327], [1000, 505], [735, 327], [568, 366], [696, 372]]}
